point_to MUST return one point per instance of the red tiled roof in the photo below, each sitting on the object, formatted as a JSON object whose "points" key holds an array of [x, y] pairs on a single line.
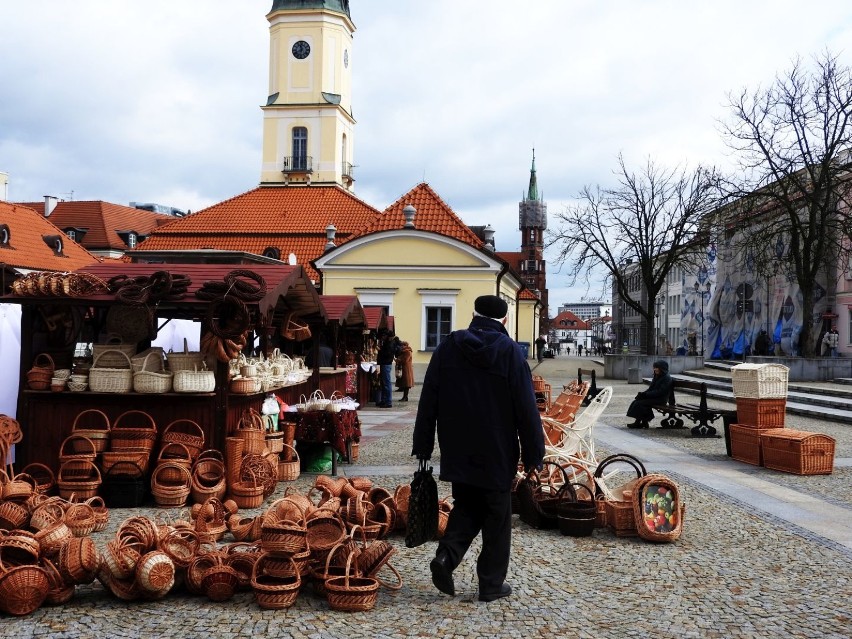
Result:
{"points": [[289, 218], [527, 294], [102, 221], [27, 249], [376, 317], [433, 214], [344, 309], [569, 317]]}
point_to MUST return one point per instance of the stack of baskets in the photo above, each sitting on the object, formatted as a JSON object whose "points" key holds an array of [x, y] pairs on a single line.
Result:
{"points": [[40, 375], [132, 439], [760, 391]]}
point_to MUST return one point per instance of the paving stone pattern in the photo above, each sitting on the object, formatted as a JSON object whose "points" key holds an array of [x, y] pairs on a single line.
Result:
{"points": [[737, 571]]}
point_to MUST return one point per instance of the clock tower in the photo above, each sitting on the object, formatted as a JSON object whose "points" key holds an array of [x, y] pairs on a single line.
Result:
{"points": [[307, 119], [532, 224]]}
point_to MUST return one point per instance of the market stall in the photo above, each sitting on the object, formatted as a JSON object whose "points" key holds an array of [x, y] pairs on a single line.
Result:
{"points": [[116, 309]]}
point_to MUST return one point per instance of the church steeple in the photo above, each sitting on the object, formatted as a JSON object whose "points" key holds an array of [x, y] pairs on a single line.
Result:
{"points": [[532, 222]]}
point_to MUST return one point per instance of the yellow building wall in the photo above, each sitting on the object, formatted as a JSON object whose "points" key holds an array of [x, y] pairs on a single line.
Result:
{"points": [[415, 272]]}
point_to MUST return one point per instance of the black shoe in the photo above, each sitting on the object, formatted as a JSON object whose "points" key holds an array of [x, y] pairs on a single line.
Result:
{"points": [[404, 398], [638, 425], [504, 591], [442, 575], [384, 405]]}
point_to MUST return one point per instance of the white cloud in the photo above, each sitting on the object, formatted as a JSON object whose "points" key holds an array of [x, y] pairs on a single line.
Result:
{"points": [[159, 101]]}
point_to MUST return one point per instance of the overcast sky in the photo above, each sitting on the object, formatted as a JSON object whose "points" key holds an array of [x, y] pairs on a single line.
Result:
{"points": [[159, 101]]}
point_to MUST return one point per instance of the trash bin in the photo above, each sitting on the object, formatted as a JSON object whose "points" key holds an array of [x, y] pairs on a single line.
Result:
{"points": [[633, 376], [525, 347]]}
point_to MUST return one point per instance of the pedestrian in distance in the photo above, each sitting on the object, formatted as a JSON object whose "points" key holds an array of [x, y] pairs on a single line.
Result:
{"points": [[540, 343], [389, 346], [478, 394], [404, 370], [657, 393]]}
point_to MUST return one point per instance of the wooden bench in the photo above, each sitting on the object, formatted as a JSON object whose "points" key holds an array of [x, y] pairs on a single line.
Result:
{"points": [[699, 414], [593, 387]]}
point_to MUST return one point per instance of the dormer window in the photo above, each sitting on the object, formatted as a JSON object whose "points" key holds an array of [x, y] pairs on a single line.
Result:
{"points": [[5, 236], [272, 252], [130, 238], [54, 242], [72, 234], [75, 233]]}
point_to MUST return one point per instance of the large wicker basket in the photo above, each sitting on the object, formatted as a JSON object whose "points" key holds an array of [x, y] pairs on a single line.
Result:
{"points": [[760, 381], [195, 380], [103, 379], [150, 379], [96, 429], [186, 361], [76, 482], [135, 430], [113, 354]]}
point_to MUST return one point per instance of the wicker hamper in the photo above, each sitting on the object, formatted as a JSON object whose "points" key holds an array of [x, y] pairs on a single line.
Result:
{"points": [[745, 444], [760, 381], [797, 451], [761, 413]]}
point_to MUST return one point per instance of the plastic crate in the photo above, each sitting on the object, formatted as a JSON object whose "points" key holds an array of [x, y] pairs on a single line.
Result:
{"points": [[761, 413], [797, 451], [745, 444], [760, 381]]}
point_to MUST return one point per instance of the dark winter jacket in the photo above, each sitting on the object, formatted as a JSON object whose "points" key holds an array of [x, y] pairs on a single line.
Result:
{"points": [[388, 350], [478, 392], [656, 393]]}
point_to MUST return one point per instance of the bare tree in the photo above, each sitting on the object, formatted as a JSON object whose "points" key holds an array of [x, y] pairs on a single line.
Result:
{"points": [[792, 142], [650, 220]]}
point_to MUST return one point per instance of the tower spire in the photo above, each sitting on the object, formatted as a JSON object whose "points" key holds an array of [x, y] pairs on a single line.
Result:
{"points": [[532, 191]]}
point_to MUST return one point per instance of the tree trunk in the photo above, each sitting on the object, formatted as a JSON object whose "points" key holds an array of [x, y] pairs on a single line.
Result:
{"points": [[808, 346]]}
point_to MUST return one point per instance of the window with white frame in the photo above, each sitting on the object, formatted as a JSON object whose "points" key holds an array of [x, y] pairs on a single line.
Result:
{"points": [[438, 316]]}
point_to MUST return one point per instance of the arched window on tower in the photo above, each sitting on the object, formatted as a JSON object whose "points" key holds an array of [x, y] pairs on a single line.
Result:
{"points": [[300, 148]]}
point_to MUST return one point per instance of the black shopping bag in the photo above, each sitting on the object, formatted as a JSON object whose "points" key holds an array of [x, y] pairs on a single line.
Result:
{"points": [[422, 508]]}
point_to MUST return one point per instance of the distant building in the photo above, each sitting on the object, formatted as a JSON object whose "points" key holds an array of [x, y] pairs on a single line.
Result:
{"points": [[587, 310]]}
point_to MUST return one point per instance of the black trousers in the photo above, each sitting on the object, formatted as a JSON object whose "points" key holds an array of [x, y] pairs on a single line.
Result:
{"points": [[478, 510]]}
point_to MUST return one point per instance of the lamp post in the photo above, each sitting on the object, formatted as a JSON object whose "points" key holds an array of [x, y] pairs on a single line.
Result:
{"points": [[701, 323]]}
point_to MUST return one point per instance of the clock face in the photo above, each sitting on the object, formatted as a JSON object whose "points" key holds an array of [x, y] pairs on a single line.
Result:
{"points": [[346, 58], [301, 50]]}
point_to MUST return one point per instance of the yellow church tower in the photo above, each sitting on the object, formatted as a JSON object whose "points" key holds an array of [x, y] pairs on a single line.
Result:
{"points": [[307, 120]]}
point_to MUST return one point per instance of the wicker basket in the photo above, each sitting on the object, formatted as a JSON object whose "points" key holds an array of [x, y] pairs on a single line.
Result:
{"points": [[657, 508], [80, 519], [208, 480], [245, 385], [745, 444], [138, 361], [761, 413], [139, 457], [110, 379], [96, 429], [247, 494], [39, 376], [133, 430], [150, 380], [186, 432], [186, 361], [351, 593], [289, 469], [250, 429], [171, 484], [760, 381], [79, 560], [797, 451], [23, 589], [274, 593], [80, 483], [197, 380], [117, 355], [155, 573], [76, 448]]}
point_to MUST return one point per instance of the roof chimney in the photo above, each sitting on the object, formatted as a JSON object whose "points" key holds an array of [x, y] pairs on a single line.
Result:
{"points": [[330, 231], [409, 212], [50, 202], [488, 234]]}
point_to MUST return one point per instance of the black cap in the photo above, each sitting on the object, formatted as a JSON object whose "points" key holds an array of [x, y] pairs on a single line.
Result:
{"points": [[491, 306]]}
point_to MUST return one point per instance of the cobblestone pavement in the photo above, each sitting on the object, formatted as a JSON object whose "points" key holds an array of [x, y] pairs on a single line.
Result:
{"points": [[740, 569]]}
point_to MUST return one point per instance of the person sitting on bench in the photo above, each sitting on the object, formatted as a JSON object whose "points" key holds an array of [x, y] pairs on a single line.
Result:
{"points": [[657, 393]]}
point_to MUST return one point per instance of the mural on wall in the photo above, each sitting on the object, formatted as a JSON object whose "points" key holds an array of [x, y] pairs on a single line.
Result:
{"points": [[745, 301], [697, 291]]}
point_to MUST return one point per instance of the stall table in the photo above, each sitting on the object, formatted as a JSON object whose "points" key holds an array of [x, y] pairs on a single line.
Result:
{"points": [[338, 429]]}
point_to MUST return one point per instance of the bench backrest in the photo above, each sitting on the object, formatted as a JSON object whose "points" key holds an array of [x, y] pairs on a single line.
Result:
{"points": [[701, 387], [593, 386]]}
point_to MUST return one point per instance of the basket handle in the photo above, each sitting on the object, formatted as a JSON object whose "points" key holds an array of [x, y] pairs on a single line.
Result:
{"points": [[87, 411], [169, 445], [134, 412], [52, 365], [194, 426], [109, 473], [296, 453], [94, 450], [387, 584], [112, 350], [88, 463]]}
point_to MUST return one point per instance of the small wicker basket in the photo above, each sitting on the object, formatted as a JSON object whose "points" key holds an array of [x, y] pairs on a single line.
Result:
{"points": [[110, 379]]}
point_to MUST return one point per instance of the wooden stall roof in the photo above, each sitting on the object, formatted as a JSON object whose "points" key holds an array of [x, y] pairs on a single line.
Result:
{"points": [[376, 317], [344, 309], [287, 286]]}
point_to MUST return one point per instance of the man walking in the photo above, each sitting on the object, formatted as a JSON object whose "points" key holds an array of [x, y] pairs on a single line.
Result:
{"points": [[540, 343], [478, 393]]}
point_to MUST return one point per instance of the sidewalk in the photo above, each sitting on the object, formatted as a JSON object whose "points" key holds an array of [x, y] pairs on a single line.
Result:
{"points": [[763, 555]]}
